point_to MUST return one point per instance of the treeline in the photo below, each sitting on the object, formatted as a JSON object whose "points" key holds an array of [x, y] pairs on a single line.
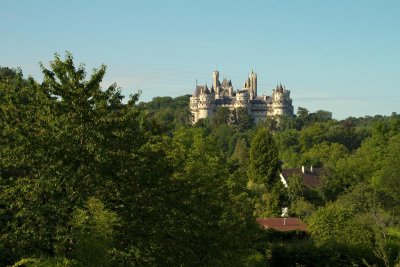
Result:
{"points": [[353, 216], [87, 179]]}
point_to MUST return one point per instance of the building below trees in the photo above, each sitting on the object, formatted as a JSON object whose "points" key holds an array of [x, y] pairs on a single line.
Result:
{"points": [[283, 224]]}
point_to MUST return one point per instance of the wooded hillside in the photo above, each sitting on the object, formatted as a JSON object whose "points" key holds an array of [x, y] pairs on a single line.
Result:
{"points": [[90, 179]]}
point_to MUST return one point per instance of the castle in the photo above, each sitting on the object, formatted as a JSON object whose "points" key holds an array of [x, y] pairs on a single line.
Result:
{"points": [[204, 102]]}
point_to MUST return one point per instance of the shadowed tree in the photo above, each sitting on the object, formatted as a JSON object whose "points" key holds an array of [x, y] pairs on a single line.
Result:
{"points": [[67, 141], [263, 174], [264, 164]]}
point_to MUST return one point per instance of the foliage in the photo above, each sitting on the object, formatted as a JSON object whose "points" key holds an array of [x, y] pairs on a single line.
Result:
{"points": [[215, 203], [241, 153], [326, 154], [168, 112], [87, 179], [93, 233], [338, 224], [264, 164], [241, 120], [263, 172], [221, 117], [48, 262]]}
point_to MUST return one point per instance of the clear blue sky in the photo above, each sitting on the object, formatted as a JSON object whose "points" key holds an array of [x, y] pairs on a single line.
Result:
{"points": [[338, 55]]}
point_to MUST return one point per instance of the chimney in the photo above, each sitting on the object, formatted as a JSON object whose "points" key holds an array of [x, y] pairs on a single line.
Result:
{"points": [[302, 169]]}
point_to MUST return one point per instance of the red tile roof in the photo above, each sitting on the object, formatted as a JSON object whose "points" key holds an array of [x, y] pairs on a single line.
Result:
{"points": [[282, 224]]}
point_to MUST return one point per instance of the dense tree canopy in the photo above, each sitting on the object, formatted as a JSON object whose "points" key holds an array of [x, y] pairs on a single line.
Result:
{"points": [[87, 179]]}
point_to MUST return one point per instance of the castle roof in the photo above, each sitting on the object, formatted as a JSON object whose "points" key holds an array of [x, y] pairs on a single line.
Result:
{"points": [[280, 88], [205, 90], [226, 83], [224, 101], [201, 89], [257, 101], [197, 91]]}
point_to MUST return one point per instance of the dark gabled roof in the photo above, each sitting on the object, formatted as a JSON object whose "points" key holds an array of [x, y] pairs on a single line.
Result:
{"points": [[258, 101], [201, 88], [205, 90], [226, 83], [224, 101], [310, 178], [282, 224]]}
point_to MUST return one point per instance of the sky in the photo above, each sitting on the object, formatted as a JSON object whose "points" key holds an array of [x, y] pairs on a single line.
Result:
{"points": [[337, 55]]}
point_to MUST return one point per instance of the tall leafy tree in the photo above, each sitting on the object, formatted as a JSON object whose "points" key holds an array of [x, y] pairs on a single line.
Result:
{"points": [[263, 174], [241, 120], [264, 164], [221, 117], [241, 153], [218, 226], [74, 141]]}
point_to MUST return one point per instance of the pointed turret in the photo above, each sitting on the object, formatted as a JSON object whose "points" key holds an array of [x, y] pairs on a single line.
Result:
{"points": [[197, 91]]}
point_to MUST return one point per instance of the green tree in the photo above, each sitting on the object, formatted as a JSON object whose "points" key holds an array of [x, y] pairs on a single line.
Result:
{"points": [[311, 135], [326, 153], [335, 224], [66, 140], [389, 177], [221, 117], [302, 208], [288, 146], [264, 165], [241, 153], [263, 174], [93, 230], [168, 112], [321, 116], [302, 117], [218, 226], [224, 135], [241, 120], [302, 113]]}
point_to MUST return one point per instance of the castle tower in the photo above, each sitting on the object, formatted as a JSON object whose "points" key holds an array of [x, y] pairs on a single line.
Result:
{"points": [[242, 99], [281, 103], [194, 104], [253, 84], [216, 82], [230, 88], [205, 104]]}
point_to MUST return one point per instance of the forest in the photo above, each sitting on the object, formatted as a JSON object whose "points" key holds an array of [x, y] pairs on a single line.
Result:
{"points": [[89, 177]]}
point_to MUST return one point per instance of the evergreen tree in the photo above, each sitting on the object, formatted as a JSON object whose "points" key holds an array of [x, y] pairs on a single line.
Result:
{"points": [[264, 164], [263, 174]]}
